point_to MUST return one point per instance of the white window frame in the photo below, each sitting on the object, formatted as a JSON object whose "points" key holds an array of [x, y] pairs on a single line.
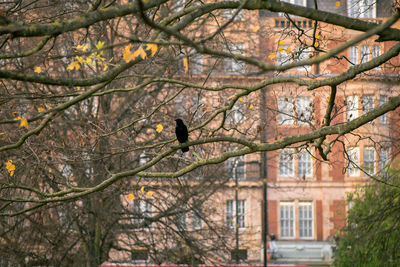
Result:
{"points": [[228, 14], [352, 107], [361, 8], [287, 220], [383, 117], [282, 57], [369, 160], [197, 64], [286, 111], [304, 163], [364, 53], [376, 52], [354, 161], [231, 220], [367, 103], [286, 162], [353, 57], [306, 219], [384, 159], [231, 65], [304, 109], [142, 208], [303, 53], [237, 164]]}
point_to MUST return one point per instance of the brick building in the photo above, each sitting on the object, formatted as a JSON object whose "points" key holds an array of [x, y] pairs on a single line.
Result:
{"points": [[306, 194]]}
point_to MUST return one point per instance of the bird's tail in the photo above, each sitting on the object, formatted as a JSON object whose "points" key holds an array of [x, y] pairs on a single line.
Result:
{"points": [[185, 149]]}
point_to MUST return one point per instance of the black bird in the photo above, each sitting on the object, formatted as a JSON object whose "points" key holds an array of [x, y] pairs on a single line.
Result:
{"points": [[182, 134]]}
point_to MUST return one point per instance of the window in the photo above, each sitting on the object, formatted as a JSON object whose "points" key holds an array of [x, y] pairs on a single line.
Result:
{"points": [[361, 8], [237, 167], [367, 103], [231, 221], [285, 109], [287, 219], [382, 118], [369, 160], [196, 64], [303, 53], [180, 105], [282, 55], [364, 53], [142, 209], [231, 65], [180, 218], [197, 222], [240, 254], [354, 161], [305, 220], [305, 165], [140, 254], [228, 13], [296, 2], [384, 160], [376, 52], [304, 109], [286, 164], [353, 55], [352, 107], [236, 115]]}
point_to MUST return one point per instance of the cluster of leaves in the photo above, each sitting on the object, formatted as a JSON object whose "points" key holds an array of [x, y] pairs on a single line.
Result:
{"points": [[371, 237]]}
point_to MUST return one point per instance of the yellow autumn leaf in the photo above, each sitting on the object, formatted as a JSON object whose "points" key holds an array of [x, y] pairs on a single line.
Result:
{"points": [[40, 109], [82, 48], [241, 99], [328, 99], [149, 194], [251, 106], [142, 189], [185, 64], [10, 167], [337, 3], [99, 45], [38, 69], [159, 128], [2, 133], [256, 28], [316, 44], [280, 49], [153, 48], [80, 59], [209, 133], [280, 42], [317, 36], [130, 196], [139, 53], [272, 56], [127, 55], [288, 50], [230, 97], [74, 65], [24, 122]]}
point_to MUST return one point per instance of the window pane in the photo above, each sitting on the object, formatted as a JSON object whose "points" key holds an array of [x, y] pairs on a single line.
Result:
{"points": [[304, 109], [305, 220], [382, 118], [305, 164], [352, 107], [286, 163], [287, 219], [353, 55], [369, 160], [354, 161], [367, 103], [364, 53], [285, 109]]}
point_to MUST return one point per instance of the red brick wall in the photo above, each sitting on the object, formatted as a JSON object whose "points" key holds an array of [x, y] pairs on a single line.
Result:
{"points": [[320, 227], [338, 215]]}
